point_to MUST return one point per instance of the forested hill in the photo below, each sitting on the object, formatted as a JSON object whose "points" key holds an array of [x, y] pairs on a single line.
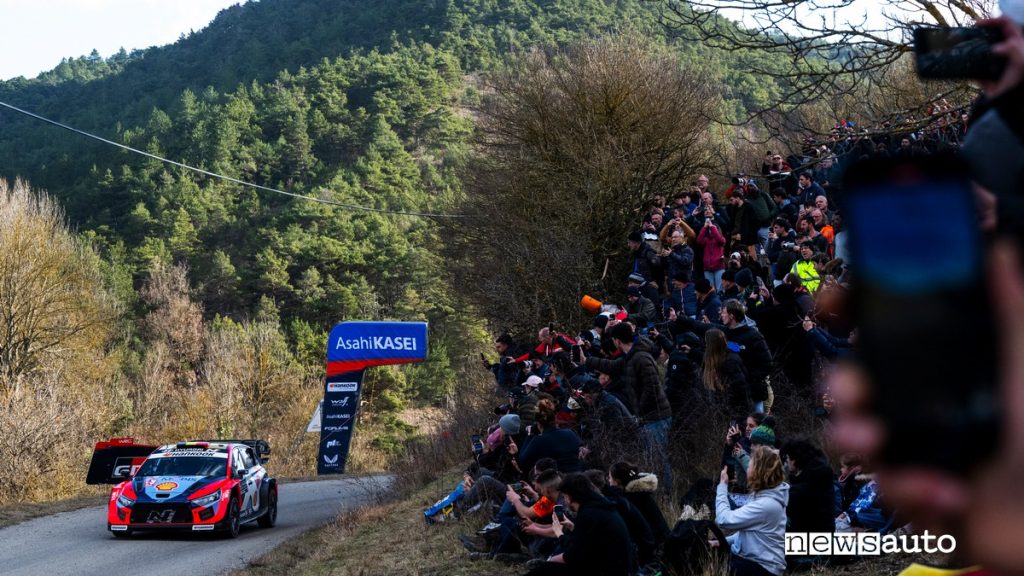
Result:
{"points": [[347, 100], [257, 40]]}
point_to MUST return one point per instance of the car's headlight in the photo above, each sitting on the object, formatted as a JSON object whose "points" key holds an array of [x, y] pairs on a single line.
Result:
{"points": [[124, 501], [207, 500]]}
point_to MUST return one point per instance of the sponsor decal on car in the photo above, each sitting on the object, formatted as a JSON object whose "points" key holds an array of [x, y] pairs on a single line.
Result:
{"points": [[341, 403], [337, 417], [202, 527], [333, 444], [342, 386], [167, 486], [150, 482], [331, 460]]}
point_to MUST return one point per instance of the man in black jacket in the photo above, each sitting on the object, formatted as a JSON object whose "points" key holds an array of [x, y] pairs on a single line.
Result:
{"points": [[812, 506], [646, 261], [638, 369], [608, 430], [754, 352], [597, 542]]}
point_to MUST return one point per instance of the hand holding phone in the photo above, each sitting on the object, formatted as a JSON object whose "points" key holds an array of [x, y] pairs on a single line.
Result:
{"points": [[560, 512], [919, 290], [959, 53]]}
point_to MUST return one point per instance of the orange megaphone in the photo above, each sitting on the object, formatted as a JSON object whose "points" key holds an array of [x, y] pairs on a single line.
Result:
{"points": [[591, 305]]}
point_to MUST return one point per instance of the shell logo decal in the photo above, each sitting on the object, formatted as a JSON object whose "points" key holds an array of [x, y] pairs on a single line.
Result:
{"points": [[167, 486]]}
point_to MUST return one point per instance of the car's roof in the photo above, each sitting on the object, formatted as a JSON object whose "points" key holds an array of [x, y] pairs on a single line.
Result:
{"points": [[194, 449]]}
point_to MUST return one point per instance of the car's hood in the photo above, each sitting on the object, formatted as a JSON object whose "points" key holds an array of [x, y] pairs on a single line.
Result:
{"points": [[165, 488]]}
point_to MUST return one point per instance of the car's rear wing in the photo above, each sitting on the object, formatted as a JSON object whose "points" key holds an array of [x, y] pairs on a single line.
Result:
{"points": [[261, 447], [115, 460]]}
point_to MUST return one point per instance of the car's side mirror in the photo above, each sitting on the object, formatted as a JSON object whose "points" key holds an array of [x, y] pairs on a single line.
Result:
{"points": [[237, 473]]}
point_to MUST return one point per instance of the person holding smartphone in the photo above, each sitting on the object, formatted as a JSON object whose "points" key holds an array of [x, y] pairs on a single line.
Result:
{"points": [[599, 542], [712, 240]]}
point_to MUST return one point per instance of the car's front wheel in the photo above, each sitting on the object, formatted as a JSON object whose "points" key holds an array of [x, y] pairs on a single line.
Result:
{"points": [[270, 518], [233, 521]]}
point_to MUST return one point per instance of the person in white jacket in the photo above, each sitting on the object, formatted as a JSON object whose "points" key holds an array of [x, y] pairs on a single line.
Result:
{"points": [[757, 548]]}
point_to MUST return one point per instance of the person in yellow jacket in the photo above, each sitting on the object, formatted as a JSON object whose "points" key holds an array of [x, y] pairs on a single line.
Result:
{"points": [[805, 267]]}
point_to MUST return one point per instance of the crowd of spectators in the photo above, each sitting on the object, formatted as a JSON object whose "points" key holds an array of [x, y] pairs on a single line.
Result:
{"points": [[735, 296], [729, 293]]}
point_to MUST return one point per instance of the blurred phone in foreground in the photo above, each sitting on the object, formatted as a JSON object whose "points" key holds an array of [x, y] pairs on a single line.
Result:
{"points": [[958, 53], [927, 336]]}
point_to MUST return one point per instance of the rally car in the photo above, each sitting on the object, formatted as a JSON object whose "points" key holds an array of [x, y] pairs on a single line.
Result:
{"points": [[215, 485]]}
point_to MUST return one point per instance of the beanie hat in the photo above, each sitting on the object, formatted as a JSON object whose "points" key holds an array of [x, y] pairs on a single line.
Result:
{"points": [[636, 236], [591, 386], [509, 424], [601, 321], [703, 286], [744, 277], [534, 381], [632, 291], [636, 277], [729, 275], [763, 435]]}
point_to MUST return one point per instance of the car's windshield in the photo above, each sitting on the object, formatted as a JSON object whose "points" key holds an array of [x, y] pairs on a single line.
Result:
{"points": [[184, 466]]}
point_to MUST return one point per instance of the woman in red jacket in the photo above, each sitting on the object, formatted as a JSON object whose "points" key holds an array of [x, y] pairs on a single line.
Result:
{"points": [[711, 238]]}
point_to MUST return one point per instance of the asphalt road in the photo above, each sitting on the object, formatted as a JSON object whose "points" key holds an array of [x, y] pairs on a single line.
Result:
{"points": [[78, 543]]}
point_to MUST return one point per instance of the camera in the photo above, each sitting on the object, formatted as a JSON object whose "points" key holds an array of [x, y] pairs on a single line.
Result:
{"points": [[788, 245], [740, 179]]}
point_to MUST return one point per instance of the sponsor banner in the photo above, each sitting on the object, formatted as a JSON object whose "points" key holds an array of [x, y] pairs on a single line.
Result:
{"points": [[353, 346], [337, 419]]}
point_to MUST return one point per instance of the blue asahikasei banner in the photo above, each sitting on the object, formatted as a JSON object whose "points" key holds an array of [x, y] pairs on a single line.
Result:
{"points": [[351, 348], [356, 345]]}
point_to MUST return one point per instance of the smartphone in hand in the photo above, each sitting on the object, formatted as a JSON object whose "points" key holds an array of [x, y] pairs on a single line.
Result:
{"points": [[958, 53], [927, 336], [560, 512]]}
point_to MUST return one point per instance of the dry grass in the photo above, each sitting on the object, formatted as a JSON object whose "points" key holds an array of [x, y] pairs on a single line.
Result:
{"points": [[18, 513], [392, 539], [387, 539]]}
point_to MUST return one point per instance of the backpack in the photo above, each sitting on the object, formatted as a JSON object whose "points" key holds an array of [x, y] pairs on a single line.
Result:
{"points": [[686, 551]]}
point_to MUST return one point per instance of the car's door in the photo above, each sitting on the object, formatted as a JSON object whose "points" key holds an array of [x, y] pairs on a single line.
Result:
{"points": [[253, 476], [246, 483]]}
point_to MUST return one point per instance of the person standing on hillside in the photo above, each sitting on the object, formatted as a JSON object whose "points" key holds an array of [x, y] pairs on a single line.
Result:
{"points": [[638, 369]]}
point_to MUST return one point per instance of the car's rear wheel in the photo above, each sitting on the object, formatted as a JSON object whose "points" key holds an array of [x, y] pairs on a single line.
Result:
{"points": [[270, 518], [233, 522]]}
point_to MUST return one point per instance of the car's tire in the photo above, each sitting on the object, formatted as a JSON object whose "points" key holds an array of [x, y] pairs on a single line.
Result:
{"points": [[270, 517], [233, 519]]}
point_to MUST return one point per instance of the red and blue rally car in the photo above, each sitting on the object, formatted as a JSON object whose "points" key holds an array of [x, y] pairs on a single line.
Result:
{"points": [[214, 485]]}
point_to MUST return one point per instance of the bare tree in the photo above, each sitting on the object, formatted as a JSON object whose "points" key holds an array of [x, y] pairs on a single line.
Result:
{"points": [[572, 146], [53, 305], [833, 55], [175, 320], [251, 371]]}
